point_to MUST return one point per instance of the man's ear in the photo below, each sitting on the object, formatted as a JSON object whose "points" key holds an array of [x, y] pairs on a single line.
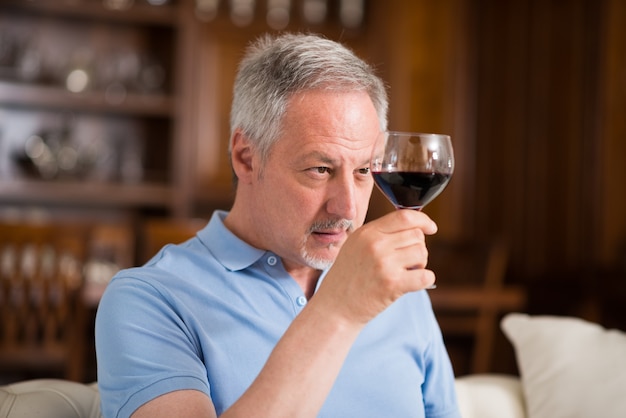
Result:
{"points": [[241, 156]]}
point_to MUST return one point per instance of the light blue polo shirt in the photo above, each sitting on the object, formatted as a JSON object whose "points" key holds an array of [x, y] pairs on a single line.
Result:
{"points": [[206, 314]]}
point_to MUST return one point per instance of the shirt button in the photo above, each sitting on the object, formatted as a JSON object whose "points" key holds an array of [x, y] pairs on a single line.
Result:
{"points": [[301, 301], [271, 260]]}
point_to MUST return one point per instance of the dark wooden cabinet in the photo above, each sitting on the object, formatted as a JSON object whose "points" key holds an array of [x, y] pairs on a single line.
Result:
{"points": [[89, 104]]}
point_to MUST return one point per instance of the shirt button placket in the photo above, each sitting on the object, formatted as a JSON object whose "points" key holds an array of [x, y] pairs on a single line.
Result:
{"points": [[271, 261]]}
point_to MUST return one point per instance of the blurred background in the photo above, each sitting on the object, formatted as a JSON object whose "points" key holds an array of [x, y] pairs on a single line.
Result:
{"points": [[114, 130]]}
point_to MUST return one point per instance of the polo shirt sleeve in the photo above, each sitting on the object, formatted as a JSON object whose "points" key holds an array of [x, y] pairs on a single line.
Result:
{"points": [[438, 389], [148, 356]]}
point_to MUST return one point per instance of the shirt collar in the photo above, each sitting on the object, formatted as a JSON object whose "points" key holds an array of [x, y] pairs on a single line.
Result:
{"points": [[228, 249]]}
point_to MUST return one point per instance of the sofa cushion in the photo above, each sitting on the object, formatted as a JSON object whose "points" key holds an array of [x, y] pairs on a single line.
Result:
{"points": [[568, 367], [50, 398], [490, 396]]}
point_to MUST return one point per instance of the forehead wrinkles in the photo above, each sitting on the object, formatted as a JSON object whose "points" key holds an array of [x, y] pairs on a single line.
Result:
{"points": [[335, 109], [327, 152], [332, 123]]}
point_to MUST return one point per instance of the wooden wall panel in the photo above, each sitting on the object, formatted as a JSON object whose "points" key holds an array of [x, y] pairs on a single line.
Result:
{"points": [[420, 47], [612, 201], [501, 84], [217, 62], [538, 78]]}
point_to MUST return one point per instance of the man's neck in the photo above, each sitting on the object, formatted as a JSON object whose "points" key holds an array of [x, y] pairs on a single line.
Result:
{"points": [[305, 276], [239, 223]]}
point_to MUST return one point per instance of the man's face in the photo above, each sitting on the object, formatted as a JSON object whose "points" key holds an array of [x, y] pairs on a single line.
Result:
{"points": [[314, 189]]}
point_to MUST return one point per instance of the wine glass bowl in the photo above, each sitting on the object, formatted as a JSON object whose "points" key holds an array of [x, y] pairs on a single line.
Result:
{"points": [[411, 169]]}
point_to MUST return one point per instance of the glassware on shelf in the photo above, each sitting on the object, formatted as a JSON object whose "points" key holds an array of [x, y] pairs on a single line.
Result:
{"points": [[206, 10], [314, 11], [242, 12], [278, 13], [118, 4]]}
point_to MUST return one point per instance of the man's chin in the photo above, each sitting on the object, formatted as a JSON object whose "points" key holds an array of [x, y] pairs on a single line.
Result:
{"points": [[318, 264], [321, 259]]}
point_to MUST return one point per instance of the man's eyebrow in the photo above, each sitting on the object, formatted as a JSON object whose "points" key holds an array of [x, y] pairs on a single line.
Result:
{"points": [[326, 159], [320, 156]]}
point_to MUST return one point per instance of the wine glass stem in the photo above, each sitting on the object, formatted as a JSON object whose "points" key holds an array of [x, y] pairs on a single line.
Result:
{"points": [[434, 285]]}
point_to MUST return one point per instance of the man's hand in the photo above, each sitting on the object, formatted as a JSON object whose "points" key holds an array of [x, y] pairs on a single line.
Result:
{"points": [[378, 263]]}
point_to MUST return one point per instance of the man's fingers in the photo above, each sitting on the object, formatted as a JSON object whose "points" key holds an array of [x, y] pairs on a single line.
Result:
{"points": [[405, 219]]}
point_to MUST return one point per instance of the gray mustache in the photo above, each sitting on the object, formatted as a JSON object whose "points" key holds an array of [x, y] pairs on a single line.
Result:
{"points": [[331, 224]]}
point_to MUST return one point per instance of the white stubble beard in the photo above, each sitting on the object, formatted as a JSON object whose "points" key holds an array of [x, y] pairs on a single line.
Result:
{"points": [[317, 262]]}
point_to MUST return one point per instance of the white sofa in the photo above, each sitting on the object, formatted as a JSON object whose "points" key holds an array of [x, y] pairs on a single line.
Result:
{"points": [[480, 396], [569, 368], [490, 396], [49, 398]]}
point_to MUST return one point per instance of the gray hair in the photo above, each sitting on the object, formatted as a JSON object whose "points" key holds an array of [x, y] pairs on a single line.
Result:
{"points": [[275, 68]]}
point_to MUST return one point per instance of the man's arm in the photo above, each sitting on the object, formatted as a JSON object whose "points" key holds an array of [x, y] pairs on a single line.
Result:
{"points": [[178, 404]]}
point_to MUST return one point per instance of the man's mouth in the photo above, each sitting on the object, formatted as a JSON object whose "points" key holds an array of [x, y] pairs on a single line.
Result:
{"points": [[331, 232], [336, 227]]}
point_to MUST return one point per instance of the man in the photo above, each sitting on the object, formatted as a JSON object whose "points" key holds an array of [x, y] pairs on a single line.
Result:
{"points": [[286, 306]]}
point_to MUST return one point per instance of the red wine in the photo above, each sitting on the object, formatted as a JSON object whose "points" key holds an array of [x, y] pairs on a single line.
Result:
{"points": [[410, 189]]}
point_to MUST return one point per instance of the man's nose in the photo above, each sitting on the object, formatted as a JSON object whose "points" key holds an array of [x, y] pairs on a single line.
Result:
{"points": [[342, 198]]}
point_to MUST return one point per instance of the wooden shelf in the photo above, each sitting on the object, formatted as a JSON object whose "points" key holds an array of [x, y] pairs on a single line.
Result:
{"points": [[91, 193], [138, 13], [29, 95], [142, 124]]}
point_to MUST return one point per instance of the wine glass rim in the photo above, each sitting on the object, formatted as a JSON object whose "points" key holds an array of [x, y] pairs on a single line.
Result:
{"points": [[391, 132]]}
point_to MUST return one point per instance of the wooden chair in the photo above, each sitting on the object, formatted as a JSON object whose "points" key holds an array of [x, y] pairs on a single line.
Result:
{"points": [[157, 232], [111, 248], [471, 295], [41, 318]]}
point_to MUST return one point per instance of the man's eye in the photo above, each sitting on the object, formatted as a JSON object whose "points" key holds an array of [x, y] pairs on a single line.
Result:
{"points": [[364, 171], [321, 170]]}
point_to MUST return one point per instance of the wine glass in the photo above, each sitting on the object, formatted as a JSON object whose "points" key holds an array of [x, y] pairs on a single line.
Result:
{"points": [[411, 169]]}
